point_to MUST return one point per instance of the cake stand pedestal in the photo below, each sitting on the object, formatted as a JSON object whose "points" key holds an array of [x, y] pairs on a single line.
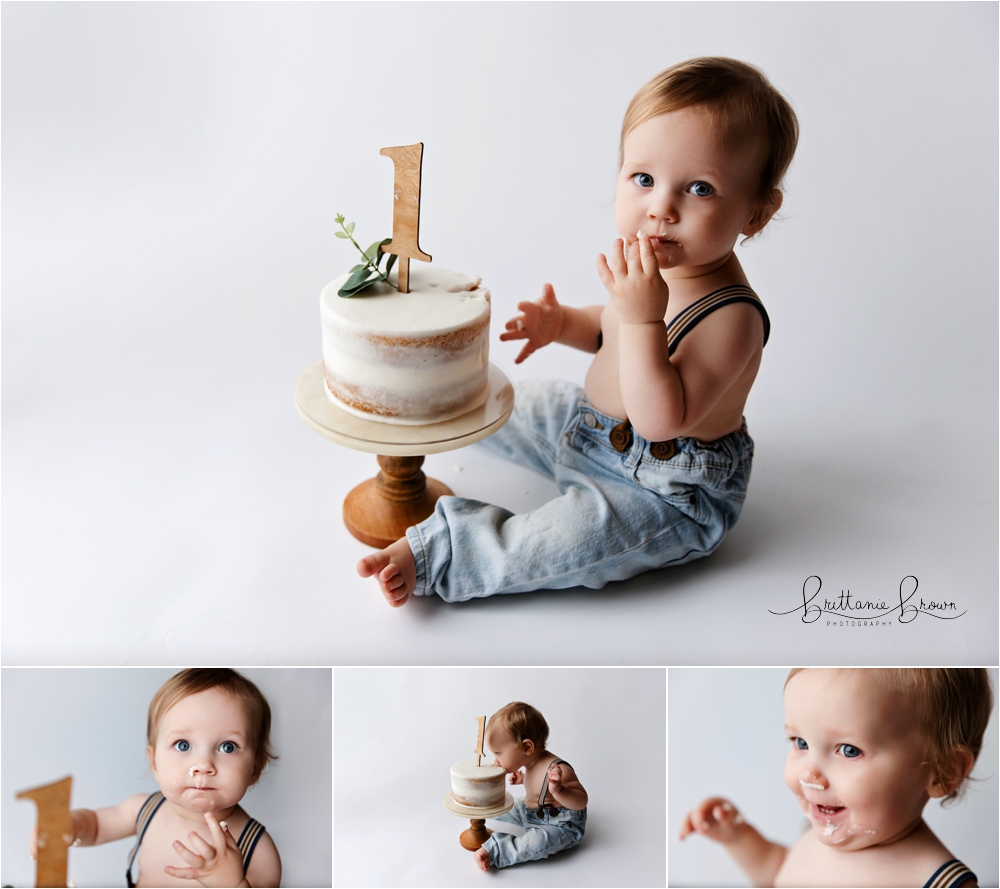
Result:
{"points": [[476, 834], [379, 511]]}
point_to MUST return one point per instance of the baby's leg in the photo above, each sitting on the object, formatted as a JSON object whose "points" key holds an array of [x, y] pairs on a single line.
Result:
{"points": [[529, 439], [539, 841]]}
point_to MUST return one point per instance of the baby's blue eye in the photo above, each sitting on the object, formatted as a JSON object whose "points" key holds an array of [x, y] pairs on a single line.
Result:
{"points": [[700, 189], [182, 746], [227, 747], [800, 743], [850, 751], [643, 180]]}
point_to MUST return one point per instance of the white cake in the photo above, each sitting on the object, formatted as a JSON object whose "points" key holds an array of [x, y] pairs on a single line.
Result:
{"points": [[413, 358], [478, 787]]}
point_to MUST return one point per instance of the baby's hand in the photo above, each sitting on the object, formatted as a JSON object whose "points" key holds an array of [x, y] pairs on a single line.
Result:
{"points": [[540, 323], [71, 839], [555, 778], [217, 864], [632, 277], [516, 777], [714, 818]]}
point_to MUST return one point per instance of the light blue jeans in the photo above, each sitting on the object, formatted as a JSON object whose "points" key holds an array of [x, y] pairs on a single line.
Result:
{"points": [[619, 513], [544, 836]]}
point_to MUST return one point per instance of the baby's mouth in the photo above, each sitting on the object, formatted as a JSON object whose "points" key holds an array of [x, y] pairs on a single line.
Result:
{"points": [[827, 814]]}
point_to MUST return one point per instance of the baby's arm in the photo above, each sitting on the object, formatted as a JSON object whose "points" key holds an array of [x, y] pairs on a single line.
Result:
{"points": [[566, 788], [667, 397], [91, 827], [547, 321], [717, 819]]}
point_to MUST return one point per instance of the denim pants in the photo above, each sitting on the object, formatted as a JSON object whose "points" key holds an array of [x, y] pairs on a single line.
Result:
{"points": [[620, 513], [544, 836]]}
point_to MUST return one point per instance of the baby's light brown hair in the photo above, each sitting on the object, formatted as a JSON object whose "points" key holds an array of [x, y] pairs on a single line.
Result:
{"points": [[953, 707], [191, 682], [744, 110], [522, 722]]}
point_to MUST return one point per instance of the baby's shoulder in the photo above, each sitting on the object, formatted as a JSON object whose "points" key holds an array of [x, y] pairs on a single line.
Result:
{"points": [[265, 865]]}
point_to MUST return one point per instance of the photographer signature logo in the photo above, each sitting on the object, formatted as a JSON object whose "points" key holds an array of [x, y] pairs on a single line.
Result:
{"points": [[853, 611]]}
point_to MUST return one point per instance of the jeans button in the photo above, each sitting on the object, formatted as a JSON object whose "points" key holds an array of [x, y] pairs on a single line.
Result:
{"points": [[590, 420]]}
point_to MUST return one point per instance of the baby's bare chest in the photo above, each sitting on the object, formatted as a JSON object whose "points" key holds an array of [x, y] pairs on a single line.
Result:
{"points": [[809, 863]]}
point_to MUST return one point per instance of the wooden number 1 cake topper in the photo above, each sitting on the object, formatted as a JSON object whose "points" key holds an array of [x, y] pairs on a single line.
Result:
{"points": [[406, 162], [482, 737], [54, 831]]}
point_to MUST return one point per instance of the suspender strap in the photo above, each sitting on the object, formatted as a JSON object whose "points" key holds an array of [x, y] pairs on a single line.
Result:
{"points": [[951, 873], [248, 841], [146, 813], [545, 782], [685, 321]]}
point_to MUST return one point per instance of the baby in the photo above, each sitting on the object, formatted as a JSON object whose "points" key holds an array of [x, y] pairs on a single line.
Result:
{"points": [[868, 749], [652, 456], [208, 733], [553, 810]]}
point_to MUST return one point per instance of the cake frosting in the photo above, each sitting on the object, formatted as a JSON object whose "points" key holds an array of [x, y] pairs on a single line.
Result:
{"points": [[478, 787], [414, 358]]}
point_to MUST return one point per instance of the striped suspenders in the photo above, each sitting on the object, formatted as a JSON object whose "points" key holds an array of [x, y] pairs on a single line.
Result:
{"points": [[246, 843], [685, 321], [545, 787], [951, 873], [146, 813]]}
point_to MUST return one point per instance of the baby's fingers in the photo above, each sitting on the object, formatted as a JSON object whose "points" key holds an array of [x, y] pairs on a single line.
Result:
{"points": [[190, 857], [525, 352], [182, 873]]}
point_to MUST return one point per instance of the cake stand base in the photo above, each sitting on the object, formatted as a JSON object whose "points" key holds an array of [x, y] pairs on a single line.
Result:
{"points": [[379, 511], [476, 835]]}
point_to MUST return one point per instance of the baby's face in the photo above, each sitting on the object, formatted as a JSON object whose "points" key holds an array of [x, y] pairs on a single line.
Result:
{"points": [[855, 764], [202, 760], [691, 196], [507, 753]]}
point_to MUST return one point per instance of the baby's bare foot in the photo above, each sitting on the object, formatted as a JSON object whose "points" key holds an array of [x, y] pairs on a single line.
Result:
{"points": [[482, 858], [394, 569]]}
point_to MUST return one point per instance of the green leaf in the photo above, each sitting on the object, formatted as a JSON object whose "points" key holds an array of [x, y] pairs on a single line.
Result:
{"points": [[391, 263], [350, 227], [341, 235], [359, 267], [358, 280]]}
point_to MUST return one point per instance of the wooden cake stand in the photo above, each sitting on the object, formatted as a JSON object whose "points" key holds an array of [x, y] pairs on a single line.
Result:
{"points": [[476, 834], [379, 511]]}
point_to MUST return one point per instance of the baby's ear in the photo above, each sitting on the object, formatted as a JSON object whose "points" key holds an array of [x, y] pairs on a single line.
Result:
{"points": [[528, 747], [152, 760], [958, 769], [762, 213]]}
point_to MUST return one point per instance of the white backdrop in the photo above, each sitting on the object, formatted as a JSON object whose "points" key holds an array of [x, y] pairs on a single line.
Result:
{"points": [[170, 176], [91, 724], [726, 738], [397, 733]]}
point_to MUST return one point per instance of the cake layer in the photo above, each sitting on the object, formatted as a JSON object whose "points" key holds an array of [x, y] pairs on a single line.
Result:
{"points": [[417, 357], [481, 787]]}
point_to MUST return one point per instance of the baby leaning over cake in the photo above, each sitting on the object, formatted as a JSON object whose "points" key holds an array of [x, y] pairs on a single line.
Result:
{"points": [[208, 732], [651, 456], [553, 811]]}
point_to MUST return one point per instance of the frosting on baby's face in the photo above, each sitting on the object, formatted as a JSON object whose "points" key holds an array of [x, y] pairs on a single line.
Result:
{"points": [[856, 760], [203, 760]]}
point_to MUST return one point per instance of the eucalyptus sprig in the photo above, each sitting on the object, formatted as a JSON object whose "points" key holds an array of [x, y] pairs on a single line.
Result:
{"points": [[366, 273]]}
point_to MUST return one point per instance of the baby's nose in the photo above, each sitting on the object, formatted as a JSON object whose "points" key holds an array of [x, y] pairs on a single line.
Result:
{"points": [[814, 780]]}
